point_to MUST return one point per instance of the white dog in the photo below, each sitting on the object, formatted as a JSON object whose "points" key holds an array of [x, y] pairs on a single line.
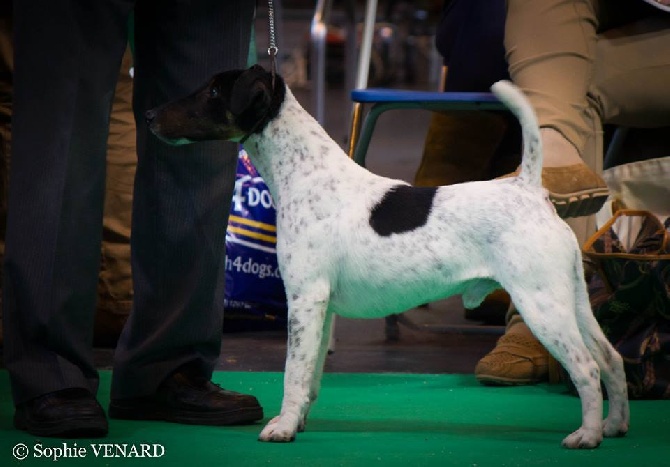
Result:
{"points": [[363, 246]]}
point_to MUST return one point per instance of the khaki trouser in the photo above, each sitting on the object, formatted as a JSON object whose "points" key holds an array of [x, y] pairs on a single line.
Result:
{"points": [[583, 63], [115, 288], [115, 282]]}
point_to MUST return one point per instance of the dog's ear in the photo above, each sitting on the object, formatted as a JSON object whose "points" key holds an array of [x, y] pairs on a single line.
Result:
{"points": [[251, 92]]}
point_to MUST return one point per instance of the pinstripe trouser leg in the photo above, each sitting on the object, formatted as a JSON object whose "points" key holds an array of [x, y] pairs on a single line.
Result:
{"points": [[181, 198], [68, 54]]}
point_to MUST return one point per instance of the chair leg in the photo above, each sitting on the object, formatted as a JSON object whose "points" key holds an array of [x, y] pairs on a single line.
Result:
{"points": [[392, 328], [331, 337], [355, 131]]}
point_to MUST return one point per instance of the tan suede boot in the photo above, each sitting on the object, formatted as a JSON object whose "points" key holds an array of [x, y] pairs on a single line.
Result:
{"points": [[518, 358], [492, 311], [575, 190], [459, 147], [574, 187]]}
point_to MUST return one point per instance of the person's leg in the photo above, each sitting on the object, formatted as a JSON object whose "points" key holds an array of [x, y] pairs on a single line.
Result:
{"points": [[66, 60], [555, 74], [63, 84], [181, 197], [550, 50], [460, 146], [627, 87], [115, 285], [6, 72], [558, 54], [632, 72]]}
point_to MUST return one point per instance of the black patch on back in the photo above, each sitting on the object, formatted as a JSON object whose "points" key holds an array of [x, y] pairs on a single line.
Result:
{"points": [[402, 209]]}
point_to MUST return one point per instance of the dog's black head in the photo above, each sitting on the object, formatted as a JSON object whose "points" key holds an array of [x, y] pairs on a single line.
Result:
{"points": [[230, 106]]}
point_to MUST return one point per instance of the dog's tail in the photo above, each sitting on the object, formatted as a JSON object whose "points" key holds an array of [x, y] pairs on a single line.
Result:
{"points": [[516, 101]]}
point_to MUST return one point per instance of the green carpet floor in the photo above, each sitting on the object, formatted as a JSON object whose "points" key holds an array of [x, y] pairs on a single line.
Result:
{"points": [[374, 420]]}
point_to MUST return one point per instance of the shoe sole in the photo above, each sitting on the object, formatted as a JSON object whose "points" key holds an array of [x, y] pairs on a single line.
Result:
{"points": [[578, 204], [71, 428], [233, 417], [499, 381]]}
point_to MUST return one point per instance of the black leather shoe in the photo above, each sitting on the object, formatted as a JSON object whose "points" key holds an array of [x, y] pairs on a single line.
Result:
{"points": [[69, 413], [184, 398]]}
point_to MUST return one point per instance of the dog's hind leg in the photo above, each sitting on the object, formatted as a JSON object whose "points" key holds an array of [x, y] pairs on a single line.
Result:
{"points": [[306, 342], [611, 367], [553, 322]]}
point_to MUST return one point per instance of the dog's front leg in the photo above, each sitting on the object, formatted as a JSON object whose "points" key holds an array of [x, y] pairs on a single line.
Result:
{"points": [[320, 363], [307, 319]]}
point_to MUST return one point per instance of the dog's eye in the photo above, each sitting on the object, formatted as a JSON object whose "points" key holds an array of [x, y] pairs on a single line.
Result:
{"points": [[214, 92]]}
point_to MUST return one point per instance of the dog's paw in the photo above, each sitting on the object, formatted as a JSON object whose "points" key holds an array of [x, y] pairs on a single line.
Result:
{"points": [[614, 428], [618, 419], [583, 439], [278, 431]]}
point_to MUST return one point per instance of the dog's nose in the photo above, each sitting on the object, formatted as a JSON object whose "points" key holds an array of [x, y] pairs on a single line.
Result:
{"points": [[150, 115]]}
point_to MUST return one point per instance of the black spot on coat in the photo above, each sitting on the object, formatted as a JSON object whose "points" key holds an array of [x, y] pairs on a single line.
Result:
{"points": [[402, 209]]}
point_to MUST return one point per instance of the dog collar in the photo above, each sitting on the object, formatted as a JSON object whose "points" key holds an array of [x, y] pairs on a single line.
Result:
{"points": [[256, 126], [272, 51], [262, 119]]}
